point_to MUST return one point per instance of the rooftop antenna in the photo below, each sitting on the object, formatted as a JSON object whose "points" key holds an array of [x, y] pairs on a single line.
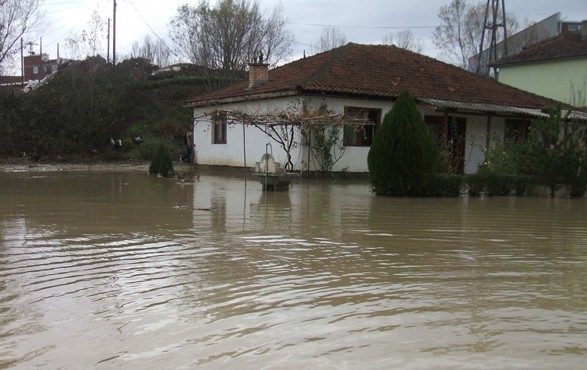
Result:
{"points": [[30, 45], [492, 25]]}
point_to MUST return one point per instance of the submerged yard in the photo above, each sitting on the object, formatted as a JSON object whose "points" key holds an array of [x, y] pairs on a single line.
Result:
{"points": [[103, 268]]}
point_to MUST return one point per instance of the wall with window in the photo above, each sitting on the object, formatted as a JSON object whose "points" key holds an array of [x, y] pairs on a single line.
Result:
{"points": [[223, 143], [229, 144]]}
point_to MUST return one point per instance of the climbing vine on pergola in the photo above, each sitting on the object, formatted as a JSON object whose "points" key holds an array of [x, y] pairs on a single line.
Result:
{"points": [[279, 125]]}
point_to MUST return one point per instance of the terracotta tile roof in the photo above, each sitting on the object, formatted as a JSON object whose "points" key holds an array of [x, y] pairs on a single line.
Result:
{"points": [[10, 79], [377, 71], [565, 45]]}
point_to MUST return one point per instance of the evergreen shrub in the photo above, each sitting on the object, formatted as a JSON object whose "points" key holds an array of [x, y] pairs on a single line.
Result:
{"points": [[161, 164], [403, 155], [444, 185]]}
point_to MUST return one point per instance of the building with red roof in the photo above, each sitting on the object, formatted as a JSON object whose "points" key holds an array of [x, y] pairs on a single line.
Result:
{"points": [[356, 85], [555, 68]]}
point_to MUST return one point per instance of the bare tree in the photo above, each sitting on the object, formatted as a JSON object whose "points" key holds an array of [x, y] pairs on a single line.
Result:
{"points": [[458, 37], [16, 18], [330, 38], [278, 41], [404, 39], [155, 51], [229, 35], [451, 36], [89, 41]]}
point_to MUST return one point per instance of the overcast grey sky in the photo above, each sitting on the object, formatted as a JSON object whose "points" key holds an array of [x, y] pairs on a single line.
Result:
{"points": [[362, 21]]}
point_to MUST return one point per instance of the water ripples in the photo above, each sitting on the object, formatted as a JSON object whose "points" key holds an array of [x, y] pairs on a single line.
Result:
{"points": [[319, 277]]}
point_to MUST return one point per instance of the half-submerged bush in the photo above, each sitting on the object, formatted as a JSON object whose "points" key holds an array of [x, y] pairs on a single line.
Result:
{"points": [[161, 164], [493, 184], [403, 156], [444, 185]]}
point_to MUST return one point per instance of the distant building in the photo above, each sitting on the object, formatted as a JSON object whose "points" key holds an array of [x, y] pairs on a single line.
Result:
{"points": [[36, 67], [546, 28], [39, 66], [555, 68]]}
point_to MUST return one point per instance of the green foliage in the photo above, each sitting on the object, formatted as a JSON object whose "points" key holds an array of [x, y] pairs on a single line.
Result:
{"points": [[554, 156], [497, 184], [403, 156], [325, 144], [161, 164], [555, 153], [150, 146], [502, 158], [444, 185], [77, 111]]}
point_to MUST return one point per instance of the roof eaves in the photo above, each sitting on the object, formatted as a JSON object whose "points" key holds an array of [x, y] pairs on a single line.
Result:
{"points": [[240, 98], [483, 107], [506, 62]]}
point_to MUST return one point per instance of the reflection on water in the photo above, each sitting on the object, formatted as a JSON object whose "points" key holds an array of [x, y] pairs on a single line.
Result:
{"points": [[125, 270]]}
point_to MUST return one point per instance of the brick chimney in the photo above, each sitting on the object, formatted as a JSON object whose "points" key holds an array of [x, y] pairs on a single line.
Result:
{"points": [[258, 74]]}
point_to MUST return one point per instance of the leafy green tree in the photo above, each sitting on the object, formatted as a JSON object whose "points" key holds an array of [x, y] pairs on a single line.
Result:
{"points": [[403, 156], [555, 153]]}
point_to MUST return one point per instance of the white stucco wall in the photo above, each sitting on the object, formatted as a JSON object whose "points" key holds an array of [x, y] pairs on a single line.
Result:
{"points": [[250, 142], [241, 145]]}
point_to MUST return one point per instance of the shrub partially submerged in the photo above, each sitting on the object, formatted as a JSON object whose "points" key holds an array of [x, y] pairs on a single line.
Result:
{"points": [[403, 157], [161, 164]]}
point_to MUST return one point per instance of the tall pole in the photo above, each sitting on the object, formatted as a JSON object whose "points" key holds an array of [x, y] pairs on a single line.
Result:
{"points": [[22, 60], [492, 52], [108, 42], [114, 35], [505, 30]]}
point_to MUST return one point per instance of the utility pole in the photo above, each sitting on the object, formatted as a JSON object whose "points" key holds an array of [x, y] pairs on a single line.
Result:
{"points": [[22, 60], [114, 35], [108, 43], [493, 27]]}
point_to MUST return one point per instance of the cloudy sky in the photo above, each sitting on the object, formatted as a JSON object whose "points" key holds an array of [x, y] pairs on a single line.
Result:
{"points": [[362, 21]]}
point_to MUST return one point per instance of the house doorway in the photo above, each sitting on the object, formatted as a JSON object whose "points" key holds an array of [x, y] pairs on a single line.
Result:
{"points": [[450, 133]]}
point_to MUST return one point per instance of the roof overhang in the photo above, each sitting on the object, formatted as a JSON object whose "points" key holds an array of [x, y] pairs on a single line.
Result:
{"points": [[239, 99], [493, 109]]}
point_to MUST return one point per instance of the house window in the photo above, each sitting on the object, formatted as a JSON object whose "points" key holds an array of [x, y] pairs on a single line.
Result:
{"points": [[219, 129], [36, 70], [516, 130], [361, 135]]}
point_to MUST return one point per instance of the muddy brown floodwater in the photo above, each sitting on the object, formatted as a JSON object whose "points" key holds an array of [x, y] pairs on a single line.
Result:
{"points": [[109, 269]]}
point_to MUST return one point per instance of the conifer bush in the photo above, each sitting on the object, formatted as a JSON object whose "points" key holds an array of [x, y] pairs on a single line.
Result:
{"points": [[161, 164], [403, 156]]}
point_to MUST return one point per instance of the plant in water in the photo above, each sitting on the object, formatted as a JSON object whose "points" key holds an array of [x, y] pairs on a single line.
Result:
{"points": [[404, 156], [555, 153], [161, 164]]}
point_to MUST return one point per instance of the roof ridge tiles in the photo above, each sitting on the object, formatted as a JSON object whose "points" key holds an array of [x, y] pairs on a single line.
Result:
{"points": [[376, 71]]}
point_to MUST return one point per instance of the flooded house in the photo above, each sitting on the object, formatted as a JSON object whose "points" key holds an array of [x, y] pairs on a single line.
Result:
{"points": [[343, 95]]}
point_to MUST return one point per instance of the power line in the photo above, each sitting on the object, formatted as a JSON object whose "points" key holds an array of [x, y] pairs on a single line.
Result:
{"points": [[356, 26], [151, 28]]}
